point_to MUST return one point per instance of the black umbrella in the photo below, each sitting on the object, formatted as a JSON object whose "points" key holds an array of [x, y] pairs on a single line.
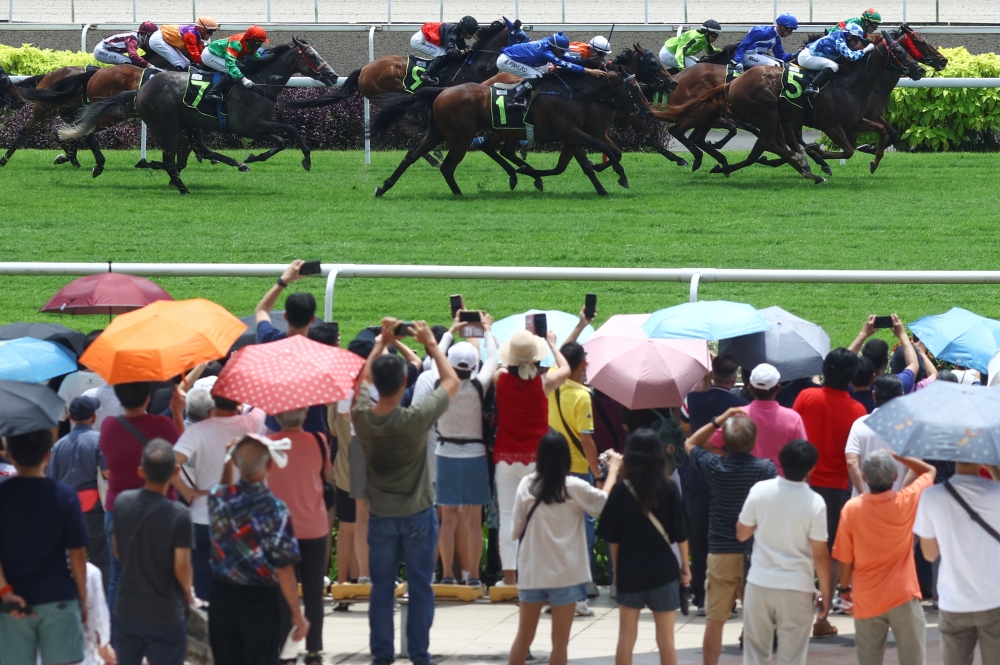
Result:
{"points": [[249, 336], [27, 407], [52, 332]]}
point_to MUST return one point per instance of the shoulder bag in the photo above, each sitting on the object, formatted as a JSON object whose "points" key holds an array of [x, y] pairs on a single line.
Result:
{"points": [[572, 436], [976, 517], [329, 491], [652, 518]]}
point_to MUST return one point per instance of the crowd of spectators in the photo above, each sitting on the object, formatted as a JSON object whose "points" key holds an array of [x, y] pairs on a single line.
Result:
{"points": [[159, 498]]}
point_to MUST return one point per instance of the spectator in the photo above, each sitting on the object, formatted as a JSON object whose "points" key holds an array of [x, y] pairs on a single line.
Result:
{"points": [[253, 554], [76, 383], [43, 559], [402, 520], [787, 522], [877, 351], [325, 333], [551, 557], [7, 470], [926, 363], [861, 384], [300, 485], [201, 451], [76, 460], [352, 533], [790, 389], [198, 406], [863, 441], [152, 540], [97, 649], [828, 414], [776, 425], [522, 420], [643, 517], [698, 409], [877, 572], [729, 480], [427, 380], [300, 308], [968, 588], [122, 441]]}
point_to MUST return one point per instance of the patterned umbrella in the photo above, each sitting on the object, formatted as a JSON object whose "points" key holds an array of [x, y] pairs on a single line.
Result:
{"points": [[34, 360], [107, 293], [288, 374]]}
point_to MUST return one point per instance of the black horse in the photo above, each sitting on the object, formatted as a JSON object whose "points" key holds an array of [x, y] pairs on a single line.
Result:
{"points": [[10, 96], [160, 104]]}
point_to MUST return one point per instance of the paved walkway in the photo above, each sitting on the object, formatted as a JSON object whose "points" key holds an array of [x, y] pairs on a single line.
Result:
{"points": [[483, 632]]}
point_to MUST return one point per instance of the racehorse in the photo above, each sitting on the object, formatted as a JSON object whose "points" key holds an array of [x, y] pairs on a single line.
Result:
{"points": [[10, 95], [559, 113], [160, 104]]}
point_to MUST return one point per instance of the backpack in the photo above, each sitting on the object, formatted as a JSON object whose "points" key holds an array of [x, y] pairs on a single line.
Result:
{"points": [[672, 438], [488, 409]]}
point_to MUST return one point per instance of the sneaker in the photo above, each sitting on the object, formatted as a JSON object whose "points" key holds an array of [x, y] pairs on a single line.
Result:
{"points": [[341, 607], [583, 609], [592, 590], [447, 580], [614, 591], [701, 611], [364, 580], [841, 606], [823, 628], [475, 584]]}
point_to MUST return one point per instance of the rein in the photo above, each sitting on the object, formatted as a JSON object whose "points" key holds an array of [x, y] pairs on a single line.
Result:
{"points": [[299, 54]]}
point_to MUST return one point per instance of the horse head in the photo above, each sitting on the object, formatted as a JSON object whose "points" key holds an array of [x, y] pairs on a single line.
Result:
{"points": [[515, 35], [899, 58], [9, 96], [312, 64], [652, 72], [919, 48]]}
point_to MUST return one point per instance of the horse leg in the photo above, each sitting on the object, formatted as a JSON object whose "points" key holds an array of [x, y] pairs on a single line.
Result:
{"points": [[565, 155], [198, 144], [270, 127], [730, 133], [677, 131], [171, 168], [430, 140], [509, 150], [95, 148], [504, 164], [699, 137], [279, 145], [581, 158]]}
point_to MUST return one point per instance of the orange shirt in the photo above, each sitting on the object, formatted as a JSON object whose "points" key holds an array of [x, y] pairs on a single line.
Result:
{"points": [[876, 535]]}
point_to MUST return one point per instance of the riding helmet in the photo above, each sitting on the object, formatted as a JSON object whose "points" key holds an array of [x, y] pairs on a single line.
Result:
{"points": [[559, 41], [207, 23], [787, 21], [855, 30], [148, 28], [871, 16], [711, 25], [256, 33], [468, 25], [600, 44]]}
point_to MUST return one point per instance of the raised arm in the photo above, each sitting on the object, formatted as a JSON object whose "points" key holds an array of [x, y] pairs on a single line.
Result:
{"points": [[555, 378], [700, 438], [917, 466], [867, 330], [581, 325], [449, 378], [925, 359], [263, 310], [909, 353]]}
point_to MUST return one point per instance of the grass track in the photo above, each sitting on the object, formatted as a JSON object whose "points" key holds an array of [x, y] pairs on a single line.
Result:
{"points": [[918, 212]]}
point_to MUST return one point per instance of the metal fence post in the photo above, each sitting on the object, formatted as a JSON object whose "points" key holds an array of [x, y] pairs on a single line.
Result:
{"points": [[268, 11], [72, 11], [563, 11], [389, 11], [194, 10], [810, 11], [83, 36], [441, 12], [517, 9], [693, 291], [937, 11], [135, 11], [645, 14], [142, 142], [904, 11], [316, 9], [775, 9], [685, 11], [331, 282], [368, 105], [10, 12]]}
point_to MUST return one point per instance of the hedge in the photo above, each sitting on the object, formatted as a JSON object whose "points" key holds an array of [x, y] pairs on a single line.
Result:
{"points": [[31, 61]]}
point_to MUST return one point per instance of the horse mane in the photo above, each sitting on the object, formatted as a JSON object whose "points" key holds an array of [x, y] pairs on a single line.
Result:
{"points": [[722, 56], [625, 57], [254, 65], [488, 32]]}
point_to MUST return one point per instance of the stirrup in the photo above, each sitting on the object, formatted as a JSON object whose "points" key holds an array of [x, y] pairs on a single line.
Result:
{"points": [[811, 91], [429, 78]]}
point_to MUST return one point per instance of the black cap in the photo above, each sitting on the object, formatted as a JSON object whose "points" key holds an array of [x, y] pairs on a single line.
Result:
{"points": [[83, 408]]}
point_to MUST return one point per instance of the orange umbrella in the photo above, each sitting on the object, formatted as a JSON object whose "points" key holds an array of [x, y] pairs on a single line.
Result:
{"points": [[161, 340]]}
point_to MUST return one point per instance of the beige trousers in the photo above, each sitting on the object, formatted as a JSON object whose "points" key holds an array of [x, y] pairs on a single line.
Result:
{"points": [[766, 611], [908, 627], [960, 631]]}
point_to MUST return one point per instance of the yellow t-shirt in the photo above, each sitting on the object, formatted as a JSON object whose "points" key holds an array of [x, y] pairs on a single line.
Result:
{"points": [[576, 409]]}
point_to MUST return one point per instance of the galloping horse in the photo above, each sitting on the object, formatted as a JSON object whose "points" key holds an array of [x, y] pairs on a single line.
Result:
{"points": [[10, 95], [160, 104]]}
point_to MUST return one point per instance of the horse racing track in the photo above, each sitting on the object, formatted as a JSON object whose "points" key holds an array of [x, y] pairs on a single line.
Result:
{"points": [[919, 211]]}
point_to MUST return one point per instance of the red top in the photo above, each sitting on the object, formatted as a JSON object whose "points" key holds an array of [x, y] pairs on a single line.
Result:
{"points": [[299, 484], [828, 415], [522, 418], [123, 452], [432, 32]]}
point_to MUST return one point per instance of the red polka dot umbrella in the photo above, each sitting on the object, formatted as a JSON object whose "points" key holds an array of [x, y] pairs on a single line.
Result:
{"points": [[288, 374]]}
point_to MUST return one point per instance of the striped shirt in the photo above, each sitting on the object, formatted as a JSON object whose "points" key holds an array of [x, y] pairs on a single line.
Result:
{"points": [[729, 481]]}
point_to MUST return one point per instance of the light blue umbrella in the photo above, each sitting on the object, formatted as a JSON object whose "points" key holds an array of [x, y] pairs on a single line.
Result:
{"points": [[705, 319], [959, 336], [34, 360], [950, 422], [562, 323]]}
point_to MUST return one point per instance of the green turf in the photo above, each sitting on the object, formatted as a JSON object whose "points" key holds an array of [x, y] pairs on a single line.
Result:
{"points": [[936, 211]]}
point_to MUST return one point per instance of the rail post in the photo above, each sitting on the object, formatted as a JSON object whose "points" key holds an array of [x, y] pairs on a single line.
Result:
{"points": [[810, 11], [517, 9], [563, 11], [268, 11], [389, 12], [904, 11], [10, 12], [368, 104], [331, 282], [693, 290], [194, 10], [135, 11], [441, 12], [316, 10], [142, 142], [645, 14], [774, 9], [72, 11], [83, 35], [685, 11]]}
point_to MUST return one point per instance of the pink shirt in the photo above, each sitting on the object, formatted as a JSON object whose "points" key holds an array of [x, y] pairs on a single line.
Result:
{"points": [[776, 426], [300, 486]]}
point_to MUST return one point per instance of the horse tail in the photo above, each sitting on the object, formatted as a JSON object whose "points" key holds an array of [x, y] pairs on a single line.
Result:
{"points": [[122, 104], [62, 91], [713, 99], [30, 82], [347, 90], [395, 105]]}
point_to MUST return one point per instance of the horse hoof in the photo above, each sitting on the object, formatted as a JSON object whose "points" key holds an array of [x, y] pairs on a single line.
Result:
{"points": [[98, 170], [602, 193], [74, 163], [3, 161], [198, 157], [818, 180], [213, 162], [379, 191], [623, 183], [513, 182], [827, 170], [183, 190], [61, 159], [307, 164], [873, 166], [539, 185], [717, 169], [243, 168], [682, 162], [696, 165]]}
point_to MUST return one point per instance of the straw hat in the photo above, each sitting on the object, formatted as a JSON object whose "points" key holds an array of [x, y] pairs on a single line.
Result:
{"points": [[523, 348]]}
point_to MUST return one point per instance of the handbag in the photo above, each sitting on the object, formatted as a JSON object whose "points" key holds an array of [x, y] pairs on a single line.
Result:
{"points": [[976, 517], [329, 491]]}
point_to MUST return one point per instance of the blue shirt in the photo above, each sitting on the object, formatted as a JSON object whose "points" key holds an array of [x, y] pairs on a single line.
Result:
{"points": [[40, 519], [76, 458], [268, 333], [834, 46], [539, 53], [761, 39]]}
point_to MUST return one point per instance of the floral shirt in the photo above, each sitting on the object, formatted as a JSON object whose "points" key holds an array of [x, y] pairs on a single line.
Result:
{"points": [[252, 534]]}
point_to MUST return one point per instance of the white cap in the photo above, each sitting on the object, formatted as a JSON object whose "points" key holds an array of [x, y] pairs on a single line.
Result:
{"points": [[207, 382], [764, 377], [463, 356]]}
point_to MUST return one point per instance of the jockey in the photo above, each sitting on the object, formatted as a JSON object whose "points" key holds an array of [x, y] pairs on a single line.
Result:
{"points": [[222, 54], [598, 47], [752, 51], [870, 20], [445, 43], [182, 44], [123, 48], [678, 52], [527, 60], [823, 53]]}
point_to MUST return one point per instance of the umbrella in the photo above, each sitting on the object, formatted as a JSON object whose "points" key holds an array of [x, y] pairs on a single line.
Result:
{"points": [[562, 323], [27, 407], [250, 335], [793, 345], [950, 422], [643, 373], [959, 336], [34, 360], [288, 374], [994, 367], [162, 340], [705, 319], [107, 293], [71, 339]]}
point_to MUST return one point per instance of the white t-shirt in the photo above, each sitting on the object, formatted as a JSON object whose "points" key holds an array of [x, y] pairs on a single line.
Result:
{"points": [[787, 515], [553, 551], [110, 406], [76, 384], [863, 441], [204, 445], [969, 576]]}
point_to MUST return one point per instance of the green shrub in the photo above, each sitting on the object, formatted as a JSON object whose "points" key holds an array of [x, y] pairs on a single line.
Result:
{"points": [[30, 61]]}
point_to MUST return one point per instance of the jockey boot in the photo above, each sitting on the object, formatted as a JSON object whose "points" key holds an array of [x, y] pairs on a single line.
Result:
{"points": [[219, 89], [819, 81], [521, 95], [430, 75]]}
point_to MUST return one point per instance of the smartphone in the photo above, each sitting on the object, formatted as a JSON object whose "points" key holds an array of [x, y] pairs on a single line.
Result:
{"points": [[403, 330], [883, 322], [7, 608], [310, 268], [470, 317], [590, 305], [537, 323], [457, 303]]}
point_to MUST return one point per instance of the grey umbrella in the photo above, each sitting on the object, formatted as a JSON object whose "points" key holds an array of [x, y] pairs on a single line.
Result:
{"points": [[51, 332], [26, 407], [249, 335], [795, 346], [950, 422]]}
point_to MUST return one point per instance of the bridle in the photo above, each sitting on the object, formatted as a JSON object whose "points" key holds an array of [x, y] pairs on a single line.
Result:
{"points": [[300, 53]]}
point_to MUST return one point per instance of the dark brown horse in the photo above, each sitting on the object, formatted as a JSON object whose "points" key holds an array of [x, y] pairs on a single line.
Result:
{"points": [[10, 94]]}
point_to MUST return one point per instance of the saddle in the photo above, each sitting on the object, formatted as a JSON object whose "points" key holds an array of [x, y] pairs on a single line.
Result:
{"points": [[504, 117], [147, 74], [199, 81], [794, 80], [731, 72], [414, 68]]}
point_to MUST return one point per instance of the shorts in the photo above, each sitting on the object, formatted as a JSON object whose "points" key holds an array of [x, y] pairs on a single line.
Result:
{"points": [[563, 595], [426, 49], [834, 500], [666, 598], [726, 577], [357, 471], [346, 508], [55, 631], [110, 57], [759, 59], [462, 481]]}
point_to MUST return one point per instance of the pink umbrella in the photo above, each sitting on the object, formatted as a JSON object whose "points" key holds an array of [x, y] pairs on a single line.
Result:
{"points": [[643, 373], [106, 293]]}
